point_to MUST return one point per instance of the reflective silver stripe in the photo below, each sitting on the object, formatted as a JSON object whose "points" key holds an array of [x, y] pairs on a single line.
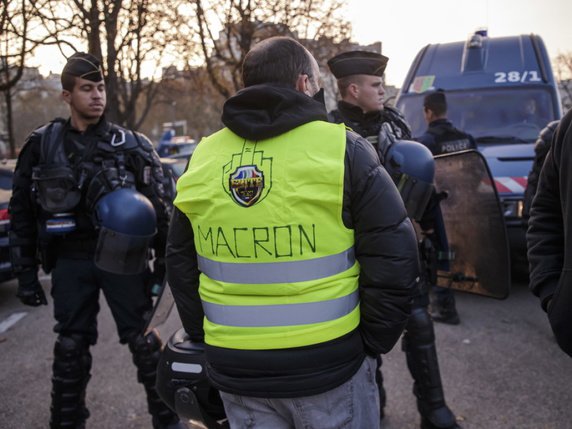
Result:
{"points": [[278, 272], [191, 368], [280, 315]]}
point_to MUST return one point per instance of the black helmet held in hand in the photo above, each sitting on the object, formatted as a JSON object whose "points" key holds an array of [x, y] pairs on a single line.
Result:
{"points": [[183, 385]]}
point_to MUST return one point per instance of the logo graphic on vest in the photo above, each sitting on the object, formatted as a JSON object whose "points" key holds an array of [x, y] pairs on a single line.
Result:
{"points": [[246, 185], [248, 182]]}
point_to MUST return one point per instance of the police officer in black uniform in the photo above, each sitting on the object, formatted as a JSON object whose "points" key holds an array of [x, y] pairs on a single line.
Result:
{"points": [[441, 137], [64, 169], [359, 75]]}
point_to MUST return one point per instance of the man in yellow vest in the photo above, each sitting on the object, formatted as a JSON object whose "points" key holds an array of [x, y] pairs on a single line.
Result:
{"points": [[290, 254]]}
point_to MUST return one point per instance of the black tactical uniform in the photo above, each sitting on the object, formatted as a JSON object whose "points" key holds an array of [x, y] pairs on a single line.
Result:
{"points": [[442, 137], [58, 164], [419, 338]]}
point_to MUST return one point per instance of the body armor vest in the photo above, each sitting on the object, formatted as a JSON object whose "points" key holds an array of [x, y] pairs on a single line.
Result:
{"points": [[59, 185]]}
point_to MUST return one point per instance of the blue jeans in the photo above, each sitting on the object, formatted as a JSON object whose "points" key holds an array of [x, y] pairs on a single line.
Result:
{"points": [[352, 405]]}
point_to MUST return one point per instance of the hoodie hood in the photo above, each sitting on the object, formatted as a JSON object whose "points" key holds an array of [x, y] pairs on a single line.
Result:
{"points": [[263, 111]]}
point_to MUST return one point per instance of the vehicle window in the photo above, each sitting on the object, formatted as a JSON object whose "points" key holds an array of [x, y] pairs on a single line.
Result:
{"points": [[518, 113]]}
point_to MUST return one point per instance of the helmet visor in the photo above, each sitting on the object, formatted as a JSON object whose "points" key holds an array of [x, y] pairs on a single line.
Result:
{"points": [[121, 254], [415, 194]]}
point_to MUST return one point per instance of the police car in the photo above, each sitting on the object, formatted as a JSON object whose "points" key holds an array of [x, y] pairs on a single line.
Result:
{"points": [[502, 91]]}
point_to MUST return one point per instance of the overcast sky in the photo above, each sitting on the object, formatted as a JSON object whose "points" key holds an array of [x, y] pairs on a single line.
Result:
{"points": [[405, 26]]}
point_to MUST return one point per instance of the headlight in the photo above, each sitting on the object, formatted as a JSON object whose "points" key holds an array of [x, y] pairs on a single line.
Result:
{"points": [[512, 208]]}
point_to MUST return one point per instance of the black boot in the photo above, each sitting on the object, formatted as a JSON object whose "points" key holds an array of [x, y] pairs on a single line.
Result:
{"points": [[71, 367], [146, 351], [421, 353], [443, 307]]}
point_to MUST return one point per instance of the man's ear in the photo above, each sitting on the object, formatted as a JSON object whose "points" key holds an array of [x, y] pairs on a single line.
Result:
{"points": [[303, 83], [66, 96], [429, 115], [353, 90]]}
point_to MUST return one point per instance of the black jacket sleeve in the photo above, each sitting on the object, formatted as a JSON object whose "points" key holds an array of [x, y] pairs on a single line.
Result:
{"points": [[183, 274], [549, 235], [22, 208], [386, 246]]}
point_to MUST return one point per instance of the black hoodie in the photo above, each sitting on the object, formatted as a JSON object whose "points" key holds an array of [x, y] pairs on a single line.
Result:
{"points": [[263, 111], [386, 250]]}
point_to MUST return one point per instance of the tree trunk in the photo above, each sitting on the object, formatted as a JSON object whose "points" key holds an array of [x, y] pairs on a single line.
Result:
{"points": [[10, 123]]}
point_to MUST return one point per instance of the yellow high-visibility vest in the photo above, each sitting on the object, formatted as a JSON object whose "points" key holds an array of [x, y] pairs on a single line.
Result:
{"points": [[277, 263]]}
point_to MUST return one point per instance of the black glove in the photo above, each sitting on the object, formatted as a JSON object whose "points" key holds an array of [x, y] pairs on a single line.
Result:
{"points": [[30, 289]]}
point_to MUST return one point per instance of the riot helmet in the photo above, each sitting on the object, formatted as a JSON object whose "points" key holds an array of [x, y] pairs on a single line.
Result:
{"points": [[183, 385], [412, 167], [127, 222]]}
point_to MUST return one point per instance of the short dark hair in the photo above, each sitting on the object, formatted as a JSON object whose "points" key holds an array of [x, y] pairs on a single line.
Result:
{"points": [[345, 82], [436, 102], [276, 60]]}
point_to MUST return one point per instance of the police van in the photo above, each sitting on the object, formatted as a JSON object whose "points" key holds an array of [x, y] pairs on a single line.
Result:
{"points": [[502, 91]]}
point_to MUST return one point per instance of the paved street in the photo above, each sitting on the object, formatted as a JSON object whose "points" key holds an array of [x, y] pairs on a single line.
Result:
{"points": [[501, 369]]}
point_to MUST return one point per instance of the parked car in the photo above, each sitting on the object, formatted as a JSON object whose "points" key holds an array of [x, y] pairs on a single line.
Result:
{"points": [[6, 175]]}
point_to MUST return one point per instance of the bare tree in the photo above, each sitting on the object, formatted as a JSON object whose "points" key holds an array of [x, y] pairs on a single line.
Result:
{"points": [[130, 36], [186, 95], [136, 38], [226, 30], [563, 66], [15, 16]]}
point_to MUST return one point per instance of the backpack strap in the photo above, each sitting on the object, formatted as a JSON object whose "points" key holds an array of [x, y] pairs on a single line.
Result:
{"points": [[51, 144]]}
